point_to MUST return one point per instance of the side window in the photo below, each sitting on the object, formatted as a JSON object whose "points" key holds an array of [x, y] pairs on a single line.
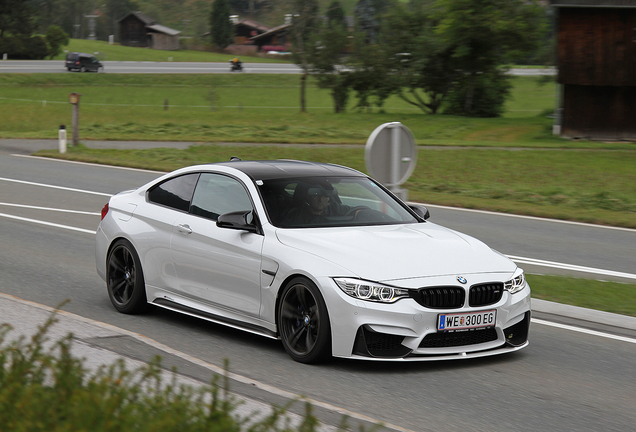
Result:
{"points": [[175, 193], [217, 194]]}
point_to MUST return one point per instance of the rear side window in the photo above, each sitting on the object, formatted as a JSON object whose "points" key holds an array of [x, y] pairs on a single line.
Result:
{"points": [[175, 192], [217, 194]]}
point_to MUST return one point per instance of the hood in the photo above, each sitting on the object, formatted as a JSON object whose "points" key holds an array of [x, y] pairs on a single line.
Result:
{"points": [[393, 252]]}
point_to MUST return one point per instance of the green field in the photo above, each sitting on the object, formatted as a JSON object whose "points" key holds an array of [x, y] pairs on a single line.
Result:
{"points": [[511, 164], [255, 108]]}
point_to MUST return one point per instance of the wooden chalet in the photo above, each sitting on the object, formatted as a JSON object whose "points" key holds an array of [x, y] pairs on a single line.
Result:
{"points": [[246, 29], [139, 30], [596, 56], [276, 36]]}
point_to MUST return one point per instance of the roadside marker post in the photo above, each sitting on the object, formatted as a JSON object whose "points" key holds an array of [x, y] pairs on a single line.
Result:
{"points": [[74, 99], [62, 138]]}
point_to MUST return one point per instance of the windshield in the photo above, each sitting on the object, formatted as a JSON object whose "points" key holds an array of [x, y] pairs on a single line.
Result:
{"points": [[330, 201]]}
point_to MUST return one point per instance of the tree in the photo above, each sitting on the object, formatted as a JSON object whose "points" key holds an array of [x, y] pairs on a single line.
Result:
{"points": [[303, 26], [16, 29], [336, 15], [56, 38], [15, 18], [222, 27], [422, 64], [373, 78], [368, 16], [325, 60], [484, 35]]}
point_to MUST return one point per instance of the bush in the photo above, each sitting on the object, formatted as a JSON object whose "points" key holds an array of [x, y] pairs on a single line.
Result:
{"points": [[24, 48], [43, 387], [56, 39], [489, 95]]}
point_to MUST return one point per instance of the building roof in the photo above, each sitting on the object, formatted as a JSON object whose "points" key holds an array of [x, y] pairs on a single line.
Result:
{"points": [[253, 24], [595, 3], [163, 29], [274, 30], [140, 16], [151, 24]]}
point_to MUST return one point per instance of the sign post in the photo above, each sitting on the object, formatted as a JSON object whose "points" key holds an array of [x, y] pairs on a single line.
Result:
{"points": [[74, 99], [391, 155]]}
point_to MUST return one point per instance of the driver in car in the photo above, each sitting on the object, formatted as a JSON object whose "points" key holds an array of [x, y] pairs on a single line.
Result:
{"points": [[314, 205]]}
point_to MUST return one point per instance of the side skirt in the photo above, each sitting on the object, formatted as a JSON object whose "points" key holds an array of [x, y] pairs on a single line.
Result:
{"points": [[250, 328]]}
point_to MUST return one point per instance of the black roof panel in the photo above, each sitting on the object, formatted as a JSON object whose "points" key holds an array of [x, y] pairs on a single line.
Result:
{"points": [[276, 169]]}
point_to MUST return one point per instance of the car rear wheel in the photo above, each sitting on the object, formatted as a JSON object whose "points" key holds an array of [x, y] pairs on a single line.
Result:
{"points": [[304, 322], [82, 69], [125, 279]]}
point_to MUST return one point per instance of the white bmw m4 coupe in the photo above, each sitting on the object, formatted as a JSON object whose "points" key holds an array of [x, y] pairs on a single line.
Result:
{"points": [[320, 256]]}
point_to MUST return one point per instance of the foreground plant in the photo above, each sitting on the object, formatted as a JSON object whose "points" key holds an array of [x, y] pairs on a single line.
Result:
{"points": [[44, 387]]}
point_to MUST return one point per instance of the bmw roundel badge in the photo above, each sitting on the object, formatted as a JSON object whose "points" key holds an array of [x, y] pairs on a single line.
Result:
{"points": [[461, 279]]}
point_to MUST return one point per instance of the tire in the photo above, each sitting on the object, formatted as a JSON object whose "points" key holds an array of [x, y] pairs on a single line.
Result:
{"points": [[125, 279], [82, 69], [303, 322]]}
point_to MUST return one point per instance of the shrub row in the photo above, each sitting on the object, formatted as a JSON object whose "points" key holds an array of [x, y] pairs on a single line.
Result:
{"points": [[43, 387]]}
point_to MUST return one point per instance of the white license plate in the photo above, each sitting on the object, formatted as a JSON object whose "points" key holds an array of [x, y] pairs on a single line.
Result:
{"points": [[466, 321]]}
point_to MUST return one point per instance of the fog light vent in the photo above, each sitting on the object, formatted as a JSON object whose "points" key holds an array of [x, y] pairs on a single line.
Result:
{"points": [[370, 343]]}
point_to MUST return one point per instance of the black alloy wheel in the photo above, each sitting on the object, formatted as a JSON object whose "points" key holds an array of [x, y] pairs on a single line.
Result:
{"points": [[125, 279], [303, 322]]}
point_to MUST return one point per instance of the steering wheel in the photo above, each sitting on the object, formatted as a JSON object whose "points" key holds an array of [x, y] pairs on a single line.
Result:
{"points": [[366, 214], [355, 210]]}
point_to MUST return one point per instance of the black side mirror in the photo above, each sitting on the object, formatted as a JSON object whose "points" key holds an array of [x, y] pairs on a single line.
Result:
{"points": [[239, 220], [420, 210]]}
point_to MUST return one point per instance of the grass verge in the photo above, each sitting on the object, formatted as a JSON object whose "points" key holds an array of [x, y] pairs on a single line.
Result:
{"points": [[611, 297], [586, 186]]}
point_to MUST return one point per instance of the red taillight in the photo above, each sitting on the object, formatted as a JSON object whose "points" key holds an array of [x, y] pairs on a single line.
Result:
{"points": [[104, 211], [76, 62]]}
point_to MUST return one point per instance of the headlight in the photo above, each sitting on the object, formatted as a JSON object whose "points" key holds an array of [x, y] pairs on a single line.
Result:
{"points": [[517, 283], [365, 290]]}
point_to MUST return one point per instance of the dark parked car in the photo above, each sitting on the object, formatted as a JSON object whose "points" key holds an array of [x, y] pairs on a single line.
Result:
{"points": [[83, 62]]}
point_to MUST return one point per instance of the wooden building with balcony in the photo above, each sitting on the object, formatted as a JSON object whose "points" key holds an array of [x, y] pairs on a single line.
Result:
{"points": [[596, 58]]}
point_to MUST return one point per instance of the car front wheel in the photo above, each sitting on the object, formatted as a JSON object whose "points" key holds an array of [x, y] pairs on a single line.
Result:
{"points": [[125, 279], [304, 322]]}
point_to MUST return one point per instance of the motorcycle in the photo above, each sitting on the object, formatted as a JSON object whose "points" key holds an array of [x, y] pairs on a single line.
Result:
{"points": [[236, 65]]}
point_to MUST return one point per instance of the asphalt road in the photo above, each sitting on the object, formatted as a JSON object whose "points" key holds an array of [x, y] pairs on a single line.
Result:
{"points": [[57, 66], [565, 380]]}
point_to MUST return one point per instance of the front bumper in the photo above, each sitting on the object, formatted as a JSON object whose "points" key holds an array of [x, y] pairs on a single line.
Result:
{"points": [[407, 331]]}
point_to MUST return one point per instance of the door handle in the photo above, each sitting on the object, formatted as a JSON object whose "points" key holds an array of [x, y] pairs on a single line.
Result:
{"points": [[184, 229]]}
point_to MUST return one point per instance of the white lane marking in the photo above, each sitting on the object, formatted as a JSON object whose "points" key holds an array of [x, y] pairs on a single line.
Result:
{"points": [[50, 209], [51, 224], [583, 330], [531, 218], [563, 266], [54, 187], [517, 259], [88, 164]]}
